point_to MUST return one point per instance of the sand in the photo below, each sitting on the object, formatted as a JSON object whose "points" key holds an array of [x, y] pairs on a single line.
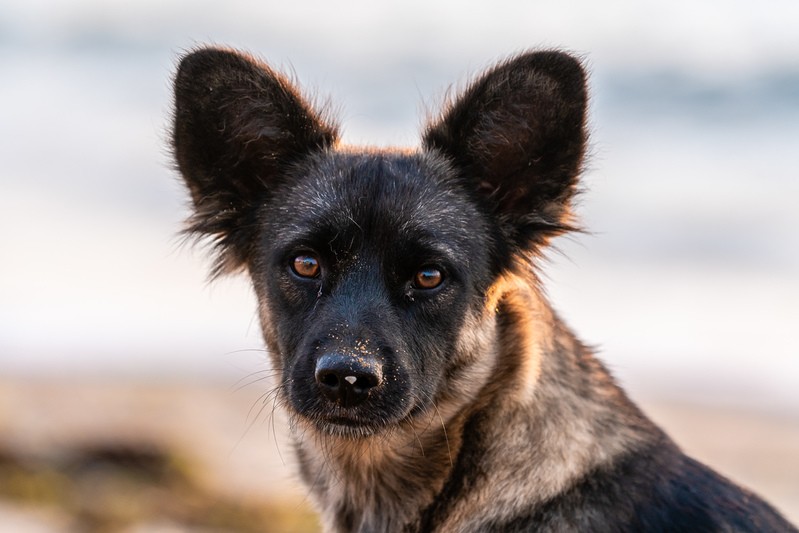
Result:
{"points": [[237, 451]]}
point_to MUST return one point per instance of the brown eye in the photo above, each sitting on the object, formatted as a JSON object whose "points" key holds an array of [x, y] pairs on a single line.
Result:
{"points": [[306, 266], [428, 278]]}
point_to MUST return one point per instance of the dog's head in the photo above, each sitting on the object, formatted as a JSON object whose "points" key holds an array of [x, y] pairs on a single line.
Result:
{"points": [[372, 266]]}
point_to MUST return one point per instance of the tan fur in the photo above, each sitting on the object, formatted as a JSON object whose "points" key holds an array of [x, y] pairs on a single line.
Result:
{"points": [[545, 436], [516, 297]]}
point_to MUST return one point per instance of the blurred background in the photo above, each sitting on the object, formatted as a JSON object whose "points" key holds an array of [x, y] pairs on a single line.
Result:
{"points": [[129, 392]]}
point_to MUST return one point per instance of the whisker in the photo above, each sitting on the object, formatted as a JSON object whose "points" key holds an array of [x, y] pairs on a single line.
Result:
{"points": [[239, 385], [274, 432], [243, 350], [251, 423], [446, 437]]}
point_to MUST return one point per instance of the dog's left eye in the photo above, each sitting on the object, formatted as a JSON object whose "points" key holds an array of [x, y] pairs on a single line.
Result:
{"points": [[428, 278], [306, 266]]}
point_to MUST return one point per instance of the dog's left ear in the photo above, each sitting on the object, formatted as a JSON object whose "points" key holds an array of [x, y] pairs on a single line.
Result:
{"points": [[517, 137], [238, 128]]}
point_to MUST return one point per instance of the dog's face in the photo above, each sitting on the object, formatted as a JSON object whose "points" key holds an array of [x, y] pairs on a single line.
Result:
{"points": [[369, 265], [367, 271]]}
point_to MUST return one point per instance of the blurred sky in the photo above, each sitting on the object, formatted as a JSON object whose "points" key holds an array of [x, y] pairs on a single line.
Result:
{"points": [[689, 284]]}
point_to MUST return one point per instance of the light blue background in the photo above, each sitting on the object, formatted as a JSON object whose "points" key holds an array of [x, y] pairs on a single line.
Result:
{"points": [[689, 284]]}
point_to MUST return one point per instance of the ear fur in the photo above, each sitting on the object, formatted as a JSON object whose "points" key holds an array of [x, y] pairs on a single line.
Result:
{"points": [[238, 125], [517, 136]]}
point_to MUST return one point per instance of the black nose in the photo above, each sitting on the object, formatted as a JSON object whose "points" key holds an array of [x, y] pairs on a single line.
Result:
{"points": [[346, 379]]}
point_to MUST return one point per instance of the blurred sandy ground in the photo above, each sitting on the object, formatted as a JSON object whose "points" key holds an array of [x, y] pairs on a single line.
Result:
{"points": [[232, 446], [115, 456]]}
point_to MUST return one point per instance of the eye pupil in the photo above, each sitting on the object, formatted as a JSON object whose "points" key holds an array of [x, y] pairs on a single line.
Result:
{"points": [[306, 266], [428, 278]]}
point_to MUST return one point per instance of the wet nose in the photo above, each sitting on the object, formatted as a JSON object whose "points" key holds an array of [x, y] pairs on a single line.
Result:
{"points": [[346, 379]]}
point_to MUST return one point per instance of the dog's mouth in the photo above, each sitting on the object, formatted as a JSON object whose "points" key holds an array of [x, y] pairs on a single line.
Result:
{"points": [[374, 416], [363, 421], [341, 426]]}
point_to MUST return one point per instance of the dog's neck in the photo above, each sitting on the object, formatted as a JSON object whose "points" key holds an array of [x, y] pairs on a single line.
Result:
{"points": [[518, 382], [357, 483]]}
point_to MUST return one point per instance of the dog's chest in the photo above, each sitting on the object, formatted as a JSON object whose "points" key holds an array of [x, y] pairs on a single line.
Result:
{"points": [[373, 506], [371, 489]]}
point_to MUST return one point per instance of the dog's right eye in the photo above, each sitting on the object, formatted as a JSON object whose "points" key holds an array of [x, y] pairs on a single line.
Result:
{"points": [[428, 278], [306, 266]]}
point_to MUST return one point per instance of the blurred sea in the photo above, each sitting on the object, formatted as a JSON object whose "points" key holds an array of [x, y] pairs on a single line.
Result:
{"points": [[688, 282]]}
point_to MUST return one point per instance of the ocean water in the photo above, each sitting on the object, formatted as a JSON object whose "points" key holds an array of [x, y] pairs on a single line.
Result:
{"points": [[688, 282]]}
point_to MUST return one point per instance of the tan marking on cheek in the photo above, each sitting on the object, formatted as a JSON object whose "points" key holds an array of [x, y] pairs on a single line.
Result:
{"points": [[528, 356], [526, 331], [497, 291], [473, 366]]}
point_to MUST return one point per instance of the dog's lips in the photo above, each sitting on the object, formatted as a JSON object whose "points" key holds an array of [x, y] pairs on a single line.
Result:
{"points": [[355, 421], [346, 426], [348, 418], [343, 421]]}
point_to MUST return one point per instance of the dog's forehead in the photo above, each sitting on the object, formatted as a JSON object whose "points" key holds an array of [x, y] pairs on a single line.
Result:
{"points": [[376, 192]]}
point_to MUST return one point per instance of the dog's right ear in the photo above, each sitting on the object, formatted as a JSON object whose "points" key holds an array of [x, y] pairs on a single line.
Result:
{"points": [[517, 137], [237, 126]]}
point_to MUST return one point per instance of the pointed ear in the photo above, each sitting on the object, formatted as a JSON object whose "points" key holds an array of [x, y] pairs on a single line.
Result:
{"points": [[237, 126], [517, 137]]}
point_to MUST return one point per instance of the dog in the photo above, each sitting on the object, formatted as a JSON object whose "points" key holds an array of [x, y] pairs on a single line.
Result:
{"points": [[429, 384]]}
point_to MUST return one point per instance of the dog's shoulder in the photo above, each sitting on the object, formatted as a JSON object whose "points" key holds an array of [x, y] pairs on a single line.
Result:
{"points": [[648, 484], [655, 489]]}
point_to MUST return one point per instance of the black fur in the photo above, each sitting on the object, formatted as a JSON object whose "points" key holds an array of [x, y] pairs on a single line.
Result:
{"points": [[429, 384], [373, 220], [238, 125], [518, 137]]}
